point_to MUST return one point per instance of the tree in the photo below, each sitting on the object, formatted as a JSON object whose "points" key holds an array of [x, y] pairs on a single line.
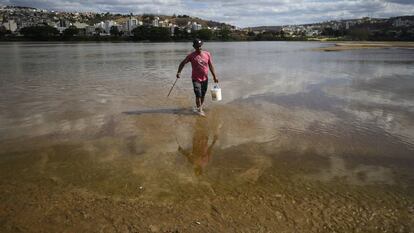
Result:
{"points": [[3, 31], [140, 33], [44, 32], [205, 34], [282, 34], [151, 33], [159, 34], [181, 34], [327, 31], [359, 34], [224, 34], [114, 31], [98, 31], [70, 32], [265, 36], [406, 34]]}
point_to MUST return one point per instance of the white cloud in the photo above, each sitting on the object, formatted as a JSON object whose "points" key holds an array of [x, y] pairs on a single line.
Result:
{"points": [[238, 12]]}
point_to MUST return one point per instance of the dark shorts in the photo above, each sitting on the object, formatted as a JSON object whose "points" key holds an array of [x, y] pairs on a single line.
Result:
{"points": [[200, 88]]}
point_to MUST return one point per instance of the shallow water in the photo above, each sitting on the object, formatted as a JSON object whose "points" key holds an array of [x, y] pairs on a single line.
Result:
{"points": [[304, 140]]}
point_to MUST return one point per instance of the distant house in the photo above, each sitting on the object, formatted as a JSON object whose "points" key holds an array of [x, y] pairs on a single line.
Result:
{"points": [[10, 25], [81, 27], [155, 22], [399, 22], [108, 24], [89, 30], [131, 24], [196, 26]]}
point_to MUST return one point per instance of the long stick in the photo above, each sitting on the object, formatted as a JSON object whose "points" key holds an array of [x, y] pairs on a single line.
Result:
{"points": [[172, 87]]}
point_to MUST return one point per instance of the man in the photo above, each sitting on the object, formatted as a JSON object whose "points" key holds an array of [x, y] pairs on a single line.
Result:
{"points": [[200, 63]]}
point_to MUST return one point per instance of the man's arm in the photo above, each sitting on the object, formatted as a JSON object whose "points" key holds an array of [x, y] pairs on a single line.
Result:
{"points": [[181, 66], [213, 71]]}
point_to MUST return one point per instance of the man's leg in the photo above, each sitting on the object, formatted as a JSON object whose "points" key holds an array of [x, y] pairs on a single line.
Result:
{"points": [[197, 93], [203, 93], [199, 101]]}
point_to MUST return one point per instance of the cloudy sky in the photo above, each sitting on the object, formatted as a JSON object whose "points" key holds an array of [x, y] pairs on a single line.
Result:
{"points": [[241, 13]]}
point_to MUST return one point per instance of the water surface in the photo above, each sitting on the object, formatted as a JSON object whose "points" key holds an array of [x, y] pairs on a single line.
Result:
{"points": [[304, 140]]}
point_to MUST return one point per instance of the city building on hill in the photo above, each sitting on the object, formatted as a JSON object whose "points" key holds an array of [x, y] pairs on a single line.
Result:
{"points": [[164, 23], [80, 25], [155, 21], [131, 24], [90, 30], [399, 22], [107, 26], [100, 25], [172, 28], [196, 26], [10, 25]]}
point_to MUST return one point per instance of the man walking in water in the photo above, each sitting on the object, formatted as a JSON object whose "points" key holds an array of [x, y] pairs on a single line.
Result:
{"points": [[200, 63]]}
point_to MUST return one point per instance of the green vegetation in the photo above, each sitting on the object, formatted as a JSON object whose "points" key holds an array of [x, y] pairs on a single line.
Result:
{"points": [[205, 34], [224, 34], [3, 31], [114, 31], [150, 33], [143, 33], [44, 32], [70, 32]]}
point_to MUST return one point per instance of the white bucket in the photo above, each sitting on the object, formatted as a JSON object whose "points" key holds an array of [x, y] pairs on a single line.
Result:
{"points": [[216, 93]]}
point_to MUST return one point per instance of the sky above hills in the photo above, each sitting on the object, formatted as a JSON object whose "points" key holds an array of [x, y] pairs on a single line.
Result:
{"points": [[242, 13]]}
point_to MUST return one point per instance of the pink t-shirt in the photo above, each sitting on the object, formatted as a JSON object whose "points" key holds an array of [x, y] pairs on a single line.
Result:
{"points": [[199, 63]]}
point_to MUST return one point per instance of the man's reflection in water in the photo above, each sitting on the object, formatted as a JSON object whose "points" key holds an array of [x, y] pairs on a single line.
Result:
{"points": [[200, 154]]}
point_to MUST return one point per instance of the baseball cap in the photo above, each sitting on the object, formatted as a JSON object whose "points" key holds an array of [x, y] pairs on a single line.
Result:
{"points": [[197, 42]]}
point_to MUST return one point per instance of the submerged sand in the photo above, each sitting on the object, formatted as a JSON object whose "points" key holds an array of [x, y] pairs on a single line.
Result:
{"points": [[269, 184]]}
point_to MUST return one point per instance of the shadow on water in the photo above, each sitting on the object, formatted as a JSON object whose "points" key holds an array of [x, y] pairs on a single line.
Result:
{"points": [[174, 111]]}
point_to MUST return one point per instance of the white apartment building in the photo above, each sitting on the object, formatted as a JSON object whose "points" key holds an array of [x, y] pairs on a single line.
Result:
{"points": [[90, 30], [80, 25], [172, 28], [401, 23], [164, 23], [100, 25], [10, 25], [155, 22], [131, 24], [196, 26], [108, 24]]}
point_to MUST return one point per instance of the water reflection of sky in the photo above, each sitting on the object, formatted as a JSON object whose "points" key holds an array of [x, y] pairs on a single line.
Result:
{"points": [[356, 102]]}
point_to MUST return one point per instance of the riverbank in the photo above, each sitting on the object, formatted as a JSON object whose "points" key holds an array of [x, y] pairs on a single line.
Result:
{"points": [[343, 46]]}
